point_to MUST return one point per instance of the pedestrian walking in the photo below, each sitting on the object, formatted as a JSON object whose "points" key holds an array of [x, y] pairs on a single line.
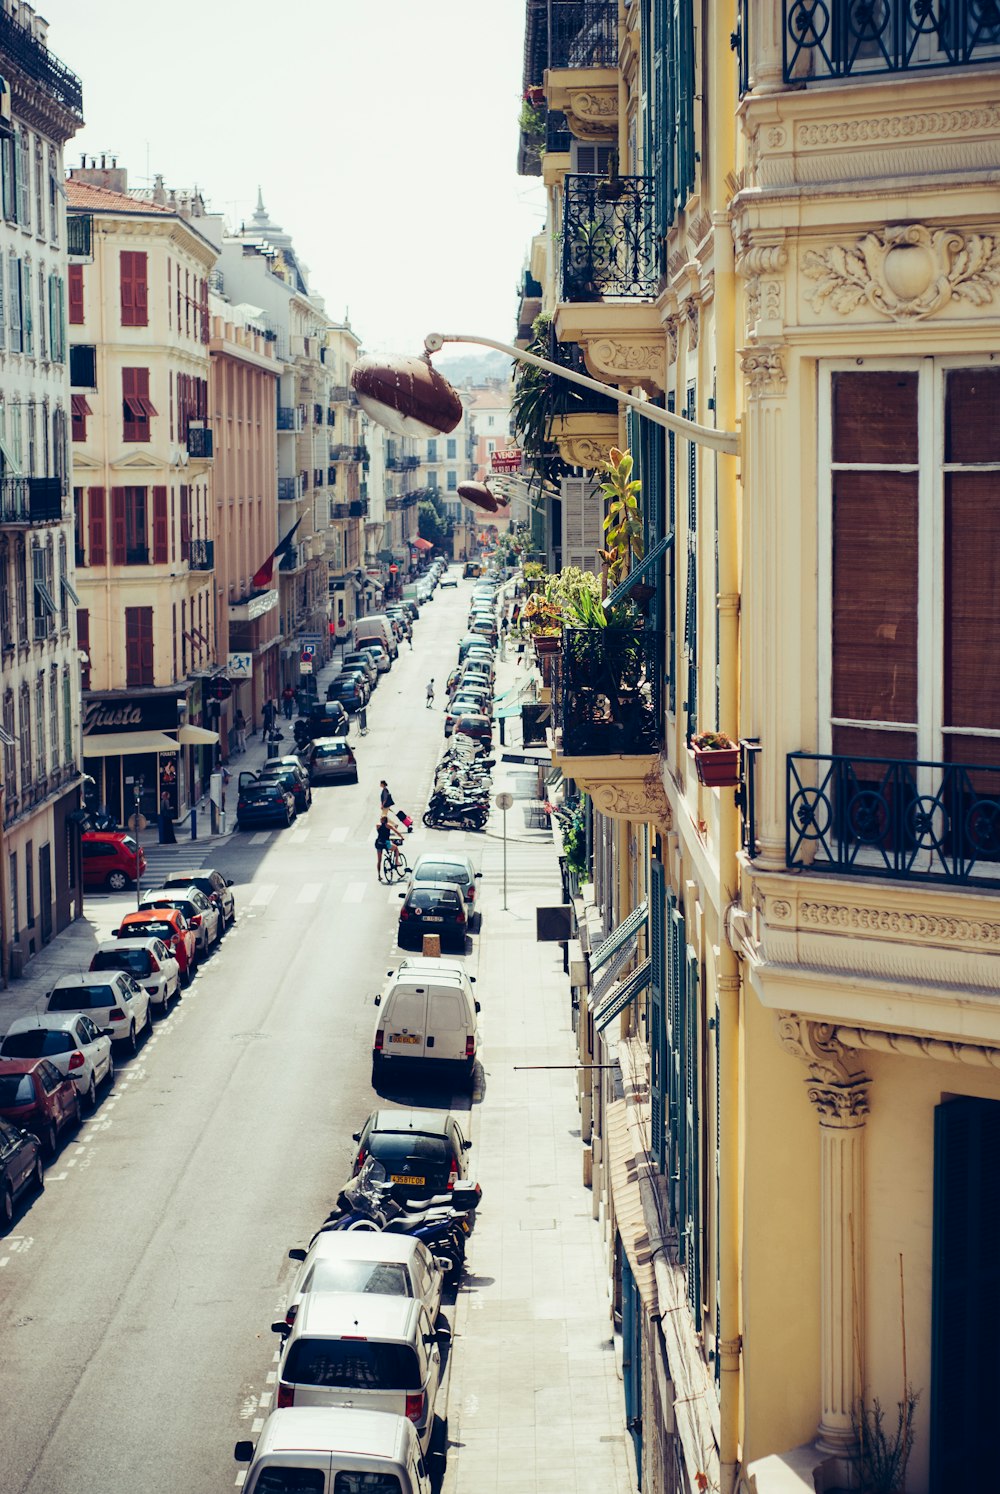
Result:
{"points": [[362, 715], [166, 820], [269, 712], [383, 839], [385, 797], [240, 724], [288, 701], [430, 694]]}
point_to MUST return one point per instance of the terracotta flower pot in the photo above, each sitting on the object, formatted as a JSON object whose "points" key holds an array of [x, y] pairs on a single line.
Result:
{"points": [[717, 767]]}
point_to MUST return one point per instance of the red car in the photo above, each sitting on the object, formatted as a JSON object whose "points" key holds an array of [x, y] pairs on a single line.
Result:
{"points": [[112, 859], [170, 925], [34, 1095]]}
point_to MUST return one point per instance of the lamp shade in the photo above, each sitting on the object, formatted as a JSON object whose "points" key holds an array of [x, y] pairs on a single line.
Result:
{"points": [[406, 395], [478, 495]]}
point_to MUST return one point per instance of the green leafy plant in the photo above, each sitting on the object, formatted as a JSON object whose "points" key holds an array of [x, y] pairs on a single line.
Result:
{"points": [[573, 827], [712, 741], [623, 522], [531, 121], [533, 570], [885, 1450]]}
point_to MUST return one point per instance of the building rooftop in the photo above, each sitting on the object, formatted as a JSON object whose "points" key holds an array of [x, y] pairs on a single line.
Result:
{"points": [[102, 200]]}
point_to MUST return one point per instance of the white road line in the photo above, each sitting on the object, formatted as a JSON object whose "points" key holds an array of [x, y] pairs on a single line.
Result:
{"points": [[271, 1377], [354, 892], [57, 1177], [265, 1400], [309, 892], [260, 837], [338, 835], [241, 1478], [299, 834], [263, 895], [257, 1426], [4, 1260]]}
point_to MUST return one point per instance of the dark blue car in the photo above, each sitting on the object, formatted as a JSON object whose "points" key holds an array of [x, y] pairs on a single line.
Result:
{"points": [[264, 804], [350, 693]]}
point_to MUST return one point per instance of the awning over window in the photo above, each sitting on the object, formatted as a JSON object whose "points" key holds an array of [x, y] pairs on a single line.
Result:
{"points": [[196, 736], [626, 932], [419, 543], [624, 992], [127, 743], [623, 1173]]}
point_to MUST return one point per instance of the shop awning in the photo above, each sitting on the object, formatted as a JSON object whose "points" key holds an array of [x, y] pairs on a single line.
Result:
{"points": [[127, 743], [627, 932], [196, 736], [624, 992], [419, 543], [623, 1173]]}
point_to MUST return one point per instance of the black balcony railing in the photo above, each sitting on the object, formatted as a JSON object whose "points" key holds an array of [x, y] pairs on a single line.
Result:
{"points": [[30, 500], [137, 554], [289, 418], [558, 136], [836, 38], [608, 691], [339, 394], [201, 556], [289, 489], [79, 235], [583, 33], [359, 508], [340, 510], [37, 62], [608, 249], [879, 817], [200, 443], [401, 463]]}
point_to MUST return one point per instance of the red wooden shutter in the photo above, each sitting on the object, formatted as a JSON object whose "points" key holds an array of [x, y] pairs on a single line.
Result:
{"points": [[185, 521], [127, 287], [146, 643], [76, 295], [128, 390], [160, 535], [139, 645], [141, 289], [119, 542], [98, 527], [134, 290]]}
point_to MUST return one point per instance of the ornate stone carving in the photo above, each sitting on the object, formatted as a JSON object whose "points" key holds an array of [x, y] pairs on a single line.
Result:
{"points": [[843, 1105], [892, 921], [643, 799], [583, 451], [670, 326], [585, 440], [761, 259], [693, 315], [628, 360], [896, 127], [593, 112], [837, 1083], [912, 1046], [763, 370], [906, 273]]}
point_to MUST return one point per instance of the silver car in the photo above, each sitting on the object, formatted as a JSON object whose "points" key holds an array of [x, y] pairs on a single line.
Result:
{"points": [[113, 1001], [359, 1261], [148, 961], [201, 913], [73, 1043]]}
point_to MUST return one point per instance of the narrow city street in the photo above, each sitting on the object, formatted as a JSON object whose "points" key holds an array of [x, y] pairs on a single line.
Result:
{"points": [[137, 1293]]}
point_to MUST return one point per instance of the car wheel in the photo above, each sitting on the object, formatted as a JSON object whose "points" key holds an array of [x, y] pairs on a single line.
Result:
{"points": [[90, 1099], [76, 1115], [109, 1077], [39, 1176], [7, 1207], [149, 1016], [132, 1041], [117, 881], [186, 977], [49, 1140]]}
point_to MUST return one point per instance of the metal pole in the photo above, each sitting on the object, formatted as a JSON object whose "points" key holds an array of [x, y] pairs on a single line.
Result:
{"points": [[505, 908]]}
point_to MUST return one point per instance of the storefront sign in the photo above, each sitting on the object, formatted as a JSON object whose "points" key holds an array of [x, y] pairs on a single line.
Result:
{"points": [[257, 606], [506, 461], [239, 666], [113, 713]]}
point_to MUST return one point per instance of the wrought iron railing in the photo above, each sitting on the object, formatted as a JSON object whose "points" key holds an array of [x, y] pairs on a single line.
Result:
{"points": [[289, 418], [359, 508], [875, 816], [835, 38], [34, 59], [608, 691], [583, 33], [289, 488], [200, 443], [401, 463], [79, 235], [558, 136], [746, 795], [608, 246], [293, 559], [340, 510], [30, 500], [338, 394], [201, 556]]}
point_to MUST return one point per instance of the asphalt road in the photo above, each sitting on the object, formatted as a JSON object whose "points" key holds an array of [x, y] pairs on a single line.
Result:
{"points": [[137, 1293]]}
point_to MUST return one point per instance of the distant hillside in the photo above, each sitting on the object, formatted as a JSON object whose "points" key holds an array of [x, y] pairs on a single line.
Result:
{"points": [[476, 368]]}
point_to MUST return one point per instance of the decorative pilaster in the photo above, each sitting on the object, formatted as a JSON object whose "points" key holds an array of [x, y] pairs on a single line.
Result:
{"points": [[838, 1087]]}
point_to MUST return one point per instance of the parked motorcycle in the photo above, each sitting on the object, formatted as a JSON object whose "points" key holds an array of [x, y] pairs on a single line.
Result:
{"points": [[445, 812]]}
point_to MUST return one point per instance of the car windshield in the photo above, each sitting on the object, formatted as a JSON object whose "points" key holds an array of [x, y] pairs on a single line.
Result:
{"points": [[440, 871], [135, 961], [154, 929], [425, 1160], [335, 749], [351, 1364], [82, 998], [313, 1481], [17, 1089], [36, 1042], [432, 898], [383, 1278]]}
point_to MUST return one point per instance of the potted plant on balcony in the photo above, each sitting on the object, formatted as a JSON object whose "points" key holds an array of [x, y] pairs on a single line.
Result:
{"points": [[623, 522], [716, 759], [531, 122]]}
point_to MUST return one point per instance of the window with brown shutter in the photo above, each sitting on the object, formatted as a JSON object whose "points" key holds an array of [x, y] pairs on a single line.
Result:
{"points": [[76, 295], [185, 522], [98, 525], [136, 527], [81, 410], [119, 541], [136, 406], [138, 646], [161, 536], [134, 288]]}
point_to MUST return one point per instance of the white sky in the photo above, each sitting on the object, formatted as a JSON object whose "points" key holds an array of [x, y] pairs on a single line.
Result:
{"points": [[382, 132]]}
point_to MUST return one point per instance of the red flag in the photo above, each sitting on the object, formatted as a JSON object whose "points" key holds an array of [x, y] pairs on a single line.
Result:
{"points": [[264, 577]]}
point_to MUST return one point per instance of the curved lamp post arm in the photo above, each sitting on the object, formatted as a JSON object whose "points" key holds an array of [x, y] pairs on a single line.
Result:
{"points": [[727, 443]]}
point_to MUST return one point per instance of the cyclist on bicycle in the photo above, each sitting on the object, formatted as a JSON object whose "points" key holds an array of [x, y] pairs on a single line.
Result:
{"points": [[383, 839]]}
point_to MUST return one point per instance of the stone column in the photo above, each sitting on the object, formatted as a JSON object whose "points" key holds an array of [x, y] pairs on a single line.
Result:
{"points": [[839, 1089], [765, 46]]}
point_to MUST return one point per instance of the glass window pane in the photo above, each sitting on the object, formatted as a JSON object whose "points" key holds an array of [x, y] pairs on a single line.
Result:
{"points": [[972, 415], [875, 417]]}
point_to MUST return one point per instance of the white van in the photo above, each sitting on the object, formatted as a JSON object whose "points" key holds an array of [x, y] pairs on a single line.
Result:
{"points": [[427, 1016], [377, 626], [309, 1447]]}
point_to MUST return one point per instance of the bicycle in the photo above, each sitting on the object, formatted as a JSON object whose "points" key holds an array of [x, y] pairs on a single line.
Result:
{"points": [[394, 863]]}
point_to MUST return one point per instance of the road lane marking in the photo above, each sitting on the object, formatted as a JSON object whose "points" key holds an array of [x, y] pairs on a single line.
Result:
{"points": [[271, 1377], [299, 834], [338, 835], [265, 1400], [260, 837], [309, 892], [241, 1478], [257, 1426], [354, 892], [263, 895], [57, 1177]]}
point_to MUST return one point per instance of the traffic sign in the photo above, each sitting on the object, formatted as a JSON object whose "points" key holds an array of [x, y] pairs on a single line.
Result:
{"points": [[393, 569], [504, 800], [220, 688]]}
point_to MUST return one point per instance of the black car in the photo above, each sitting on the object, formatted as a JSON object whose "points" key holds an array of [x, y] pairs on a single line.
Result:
{"points": [[294, 778], [21, 1168], [214, 885], [433, 908], [422, 1151], [329, 720], [263, 803], [347, 692]]}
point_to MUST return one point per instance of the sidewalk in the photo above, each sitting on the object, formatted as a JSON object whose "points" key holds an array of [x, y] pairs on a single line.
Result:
{"points": [[536, 1400]]}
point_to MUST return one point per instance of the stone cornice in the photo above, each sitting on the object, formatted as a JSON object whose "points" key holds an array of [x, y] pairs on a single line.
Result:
{"points": [[623, 345], [588, 96], [622, 788], [585, 440]]}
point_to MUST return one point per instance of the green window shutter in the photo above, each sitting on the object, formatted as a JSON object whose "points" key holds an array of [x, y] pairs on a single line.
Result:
{"points": [[691, 599], [657, 1015], [965, 1373], [671, 579], [675, 1058], [632, 1356], [53, 335], [26, 320], [61, 290], [692, 1127], [684, 24]]}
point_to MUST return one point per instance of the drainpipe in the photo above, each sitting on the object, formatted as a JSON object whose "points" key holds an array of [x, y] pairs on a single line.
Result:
{"points": [[722, 86]]}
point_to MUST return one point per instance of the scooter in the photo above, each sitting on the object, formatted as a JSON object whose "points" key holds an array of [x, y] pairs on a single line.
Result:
{"points": [[444, 812]]}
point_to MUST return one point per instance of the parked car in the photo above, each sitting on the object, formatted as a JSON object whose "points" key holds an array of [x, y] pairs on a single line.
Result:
{"points": [[433, 908], [349, 692], [172, 927], [466, 642], [73, 1043], [20, 1168], [292, 777], [34, 1095], [148, 961], [476, 726], [427, 1018], [367, 1352], [358, 675], [331, 760], [378, 653], [334, 1450], [327, 720], [359, 1261], [471, 568], [213, 884], [448, 866], [262, 803], [422, 1151], [111, 859], [201, 913], [450, 578], [461, 705], [113, 1001], [362, 659]]}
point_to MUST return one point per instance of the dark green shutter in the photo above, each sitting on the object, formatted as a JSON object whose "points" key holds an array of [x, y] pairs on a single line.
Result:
{"points": [[671, 563], [691, 599], [632, 1359], [965, 1315], [657, 1028], [684, 23], [674, 943], [692, 1145]]}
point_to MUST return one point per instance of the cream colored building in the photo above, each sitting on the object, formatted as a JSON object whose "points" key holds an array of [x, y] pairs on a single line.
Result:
{"points": [[795, 242]]}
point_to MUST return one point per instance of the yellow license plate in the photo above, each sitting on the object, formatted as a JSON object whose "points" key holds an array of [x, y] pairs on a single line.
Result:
{"points": [[404, 1037], [467, 1227], [412, 1182]]}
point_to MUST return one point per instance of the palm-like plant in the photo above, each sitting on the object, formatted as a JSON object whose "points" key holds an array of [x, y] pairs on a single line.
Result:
{"points": [[623, 522]]}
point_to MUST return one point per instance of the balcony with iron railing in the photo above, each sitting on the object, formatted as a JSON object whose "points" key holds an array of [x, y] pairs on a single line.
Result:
{"points": [[842, 38], [200, 443], [289, 418], [340, 510], [339, 394], [289, 489], [36, 61], [30, 500], [80, 235], [607, 691], [201, 555], [608, 251], [294, 558], [402, 463]]}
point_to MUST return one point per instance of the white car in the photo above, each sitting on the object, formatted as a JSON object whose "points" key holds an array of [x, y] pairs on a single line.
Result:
{"points": [[73, 1043], [334, 1450], [201, 913], [114, 1002], [148, 961], [362, 1261]]}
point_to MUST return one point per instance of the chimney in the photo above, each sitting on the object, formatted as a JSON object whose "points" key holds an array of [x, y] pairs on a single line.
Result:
{"points": [[114, 177]]}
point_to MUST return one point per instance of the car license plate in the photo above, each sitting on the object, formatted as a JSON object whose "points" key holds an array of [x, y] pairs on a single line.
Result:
{"points": [[433, 918], [408, 1178], [404, 1037]]}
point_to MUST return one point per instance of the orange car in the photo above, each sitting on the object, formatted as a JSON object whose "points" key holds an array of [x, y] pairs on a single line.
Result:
{"points": [[170, 925]]}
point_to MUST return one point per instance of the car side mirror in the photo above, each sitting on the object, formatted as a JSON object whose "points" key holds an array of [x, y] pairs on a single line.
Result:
{"points": [[243, 1452], [281, 1327], [356, 1136], [472, 980], [478, 874], [230, 882], [402, 894], [298, 1254], [466, 1146], [478, 1007], [378, 1001]]}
